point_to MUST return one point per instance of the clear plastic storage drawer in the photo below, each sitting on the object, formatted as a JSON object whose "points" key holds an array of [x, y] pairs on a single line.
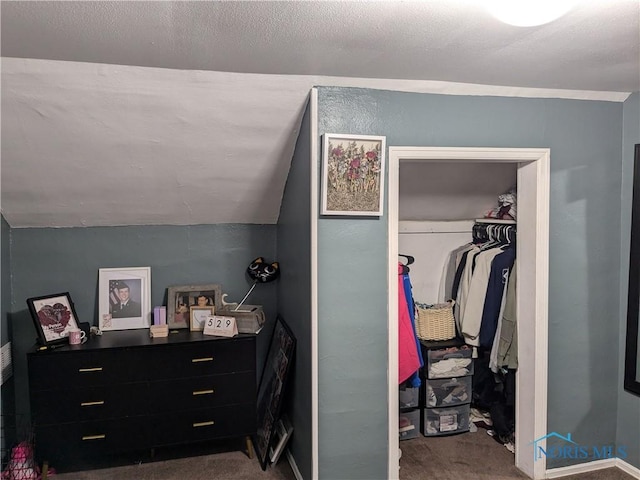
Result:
{"points": [[449, 362], [445, 421], [447, 392], [409, 397], [409, 424]]}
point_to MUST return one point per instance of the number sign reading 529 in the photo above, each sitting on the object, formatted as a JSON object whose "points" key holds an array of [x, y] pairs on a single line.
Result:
{"points": [[220, 326]]}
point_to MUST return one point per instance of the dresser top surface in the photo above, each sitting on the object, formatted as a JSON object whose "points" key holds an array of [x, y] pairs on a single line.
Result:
{"points": [[137, 338]]}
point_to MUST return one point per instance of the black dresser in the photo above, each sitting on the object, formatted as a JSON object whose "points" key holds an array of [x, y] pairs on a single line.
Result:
{"points": [[123, 392]]}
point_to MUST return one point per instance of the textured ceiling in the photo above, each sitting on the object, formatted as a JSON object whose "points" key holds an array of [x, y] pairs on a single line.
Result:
{"points": [[594, 47], [187, 112]]}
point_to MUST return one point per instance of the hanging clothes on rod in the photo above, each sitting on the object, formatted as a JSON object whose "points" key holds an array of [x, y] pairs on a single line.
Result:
{"points": [[504, 351], [491, 230], [485, 280], [488, 321], [480, 279], [408, 344], [408, 261]]}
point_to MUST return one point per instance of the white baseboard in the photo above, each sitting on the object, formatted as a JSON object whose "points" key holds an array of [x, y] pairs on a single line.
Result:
{"points": [[628, 468], [592, 467], [294, 466], [581, 468]]}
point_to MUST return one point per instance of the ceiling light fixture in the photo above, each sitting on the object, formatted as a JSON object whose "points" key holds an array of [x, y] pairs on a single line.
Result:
{"points": [[528, 13]]}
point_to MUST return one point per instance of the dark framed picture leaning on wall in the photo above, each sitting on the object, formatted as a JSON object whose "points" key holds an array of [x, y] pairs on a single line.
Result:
{"points": [[632, 347], [272, 388]]}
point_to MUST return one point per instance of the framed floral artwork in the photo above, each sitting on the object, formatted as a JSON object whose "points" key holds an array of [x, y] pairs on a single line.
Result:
{"points": [[124, 298], [53, 316], [352, 174]]}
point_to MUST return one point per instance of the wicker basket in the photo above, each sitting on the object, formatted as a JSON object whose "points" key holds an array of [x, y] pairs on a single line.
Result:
{"points": [[435, 322]]}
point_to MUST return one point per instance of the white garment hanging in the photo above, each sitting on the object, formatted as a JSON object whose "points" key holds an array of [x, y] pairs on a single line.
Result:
{"points": [[471, 320]]}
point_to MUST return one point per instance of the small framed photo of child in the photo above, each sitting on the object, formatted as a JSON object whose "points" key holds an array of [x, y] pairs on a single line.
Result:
{"points": [[199, 317]]}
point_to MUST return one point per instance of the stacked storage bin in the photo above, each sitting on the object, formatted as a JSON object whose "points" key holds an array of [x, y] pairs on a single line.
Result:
{"points": [[409, 423], [445, 395]]}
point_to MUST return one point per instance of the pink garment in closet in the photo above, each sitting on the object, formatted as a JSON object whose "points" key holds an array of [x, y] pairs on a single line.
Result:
{"points": [[408, 359]]}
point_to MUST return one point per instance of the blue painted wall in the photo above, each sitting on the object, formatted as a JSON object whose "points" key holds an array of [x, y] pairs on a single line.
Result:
{"points": [[585, 268], [7, 397], [628, 404], [47, 260], [585, 142], [294, 291], [5, 281]]}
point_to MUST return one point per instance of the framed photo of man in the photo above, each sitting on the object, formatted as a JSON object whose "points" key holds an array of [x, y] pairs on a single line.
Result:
{"points": [[180, 299], [124, 298]]}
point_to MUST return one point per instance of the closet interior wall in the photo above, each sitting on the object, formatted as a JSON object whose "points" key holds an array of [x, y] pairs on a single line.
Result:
{"points": [[438, 204], [429, 242]]}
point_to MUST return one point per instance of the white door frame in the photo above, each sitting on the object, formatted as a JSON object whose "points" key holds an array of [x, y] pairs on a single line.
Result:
{"points": [[532, 299]]}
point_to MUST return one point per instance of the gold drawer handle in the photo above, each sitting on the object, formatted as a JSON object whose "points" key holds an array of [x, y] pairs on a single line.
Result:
{"points": [[203, 424], [90, 404], [94, 369], [203, 392], [203, 359], [94, 437]]}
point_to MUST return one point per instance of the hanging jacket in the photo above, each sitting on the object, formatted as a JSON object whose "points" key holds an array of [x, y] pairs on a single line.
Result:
{"points": [[408, 358]]}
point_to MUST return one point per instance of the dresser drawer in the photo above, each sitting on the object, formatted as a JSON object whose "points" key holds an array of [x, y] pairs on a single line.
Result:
{"points": [[83, 404], [87, 439], [75, 369], [81, 369], [196, 360], [201, 392], [205, 424]]}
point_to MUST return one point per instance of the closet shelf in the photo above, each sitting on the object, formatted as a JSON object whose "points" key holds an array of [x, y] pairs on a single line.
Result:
{"points": [[496, 221], [435, 226]]}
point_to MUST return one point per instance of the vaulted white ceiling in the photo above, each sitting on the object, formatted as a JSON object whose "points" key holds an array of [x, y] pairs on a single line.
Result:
{"points": [[170, 112]]}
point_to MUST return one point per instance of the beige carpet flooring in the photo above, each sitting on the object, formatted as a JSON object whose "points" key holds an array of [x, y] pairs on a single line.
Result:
{"points": [[226, 466], [472, 456]]}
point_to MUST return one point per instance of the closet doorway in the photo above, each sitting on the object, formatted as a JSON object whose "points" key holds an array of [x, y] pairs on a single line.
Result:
{"points": [[532, 295]]}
